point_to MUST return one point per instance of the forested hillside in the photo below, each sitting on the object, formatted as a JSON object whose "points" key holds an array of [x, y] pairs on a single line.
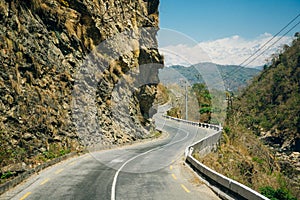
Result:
{"points": [[234, 77], [261, 142], [270, 106]]}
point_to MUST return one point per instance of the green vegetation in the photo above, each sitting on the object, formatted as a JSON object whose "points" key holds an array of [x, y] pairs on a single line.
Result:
{"points": [[279, 194], [272, 102], [174, 112], [204, 99], [211, 104], [162, 96], [10, 155], [53, 152], [258, 160], [6, 175], [265, 114], [156, 134], [48, 155], [235, 81]]}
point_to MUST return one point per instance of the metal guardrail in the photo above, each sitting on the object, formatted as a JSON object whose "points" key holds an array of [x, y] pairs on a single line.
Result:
{"points": [[205, 146], [199, 124]]}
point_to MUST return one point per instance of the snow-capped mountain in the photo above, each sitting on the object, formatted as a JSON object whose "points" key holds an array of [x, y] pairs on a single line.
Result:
{"points": [[227, 51]]}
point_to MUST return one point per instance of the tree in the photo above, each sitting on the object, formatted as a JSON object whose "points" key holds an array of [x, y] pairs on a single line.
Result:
{"points": [[204, 101]]}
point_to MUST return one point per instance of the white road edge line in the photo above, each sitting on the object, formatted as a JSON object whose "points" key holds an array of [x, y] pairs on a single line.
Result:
{"points": [[113, 188]]}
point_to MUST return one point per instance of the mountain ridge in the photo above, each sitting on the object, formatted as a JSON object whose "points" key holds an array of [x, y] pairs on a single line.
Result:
{"points": [[235, 77], [261, 138]]}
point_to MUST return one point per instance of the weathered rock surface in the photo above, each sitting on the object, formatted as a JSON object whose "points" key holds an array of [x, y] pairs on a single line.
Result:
{"points": [[48, 51]]}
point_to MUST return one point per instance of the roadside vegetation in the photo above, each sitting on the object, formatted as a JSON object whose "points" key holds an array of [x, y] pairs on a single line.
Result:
{"points": [[14, 161], [261, 137]]}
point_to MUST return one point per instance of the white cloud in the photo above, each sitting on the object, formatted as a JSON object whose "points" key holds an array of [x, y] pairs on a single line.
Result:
{"points": [[232, 50]]}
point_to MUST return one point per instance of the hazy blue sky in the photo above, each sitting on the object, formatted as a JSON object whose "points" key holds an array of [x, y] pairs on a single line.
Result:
{"points": [[214, 19]]}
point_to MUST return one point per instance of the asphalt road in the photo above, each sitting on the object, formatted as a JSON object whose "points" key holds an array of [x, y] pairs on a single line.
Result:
{"points": [[151, 170]]}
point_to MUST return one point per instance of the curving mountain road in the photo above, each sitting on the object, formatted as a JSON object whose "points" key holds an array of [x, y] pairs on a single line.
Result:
{"points": [[151, 170]]}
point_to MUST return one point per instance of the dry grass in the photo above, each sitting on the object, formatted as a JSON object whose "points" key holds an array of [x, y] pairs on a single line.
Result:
{"points": [[79, 31], [245, 159], [15, 85], [162, 94], [115, 68], [89, 43], [64, 3], [70, 26], [9, 44]]}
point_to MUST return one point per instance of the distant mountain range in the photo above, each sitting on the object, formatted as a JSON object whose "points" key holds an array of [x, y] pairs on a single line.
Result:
{"points": [[234, 77], [224, 51]]}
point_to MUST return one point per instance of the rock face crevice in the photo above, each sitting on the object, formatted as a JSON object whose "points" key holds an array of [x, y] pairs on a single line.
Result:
{"points": [[49, 50]]}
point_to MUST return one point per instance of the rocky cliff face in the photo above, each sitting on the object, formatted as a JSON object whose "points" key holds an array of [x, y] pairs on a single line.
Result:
{"points": [[49, 50]]}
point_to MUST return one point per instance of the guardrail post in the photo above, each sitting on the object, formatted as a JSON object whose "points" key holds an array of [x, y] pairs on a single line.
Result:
{"points": [[233, 186]]}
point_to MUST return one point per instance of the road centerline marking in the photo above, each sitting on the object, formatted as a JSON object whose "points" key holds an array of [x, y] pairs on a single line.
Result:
{"points": [[173, 175], [25, 196], [59, 171], [185, 189], [114, 183], [171, 167], [72, 163], [45, 181]]}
